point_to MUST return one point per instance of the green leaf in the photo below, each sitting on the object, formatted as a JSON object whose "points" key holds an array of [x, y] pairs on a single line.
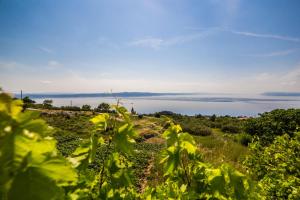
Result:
{"points": [[100, 121], [31, 184], [124, 138]]}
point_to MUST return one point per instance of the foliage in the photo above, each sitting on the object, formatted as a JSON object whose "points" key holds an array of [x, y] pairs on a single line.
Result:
{"points": [[219, 148], [69, 123], [187, 177], [231, 128], [31, 167], [197, 129], [245, 139], [274, 123], [213, 118], [47, 103], [27, 102], [71, 108], [103, 108], [86, 107], [277, 167]]}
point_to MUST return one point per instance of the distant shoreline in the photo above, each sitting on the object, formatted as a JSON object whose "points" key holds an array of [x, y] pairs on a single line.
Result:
{"points": [[196, 97]]}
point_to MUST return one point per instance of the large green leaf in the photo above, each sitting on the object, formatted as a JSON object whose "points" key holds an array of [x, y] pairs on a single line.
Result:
{"points": [[32, 184]]}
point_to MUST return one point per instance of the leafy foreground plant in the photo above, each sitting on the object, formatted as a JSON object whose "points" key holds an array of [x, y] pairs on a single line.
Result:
{"points": [[32, 168], [277, 166], [30, 165], [189, 178]]}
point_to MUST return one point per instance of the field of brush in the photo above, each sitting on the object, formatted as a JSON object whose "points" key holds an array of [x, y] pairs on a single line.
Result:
{"points": [[218, 139]]}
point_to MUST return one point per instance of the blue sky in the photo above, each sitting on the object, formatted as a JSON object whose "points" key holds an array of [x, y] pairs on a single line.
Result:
{"points": [[231, 46]]}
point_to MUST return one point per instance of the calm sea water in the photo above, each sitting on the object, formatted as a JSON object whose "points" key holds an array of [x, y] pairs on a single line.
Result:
{"points": [[234, 105]]}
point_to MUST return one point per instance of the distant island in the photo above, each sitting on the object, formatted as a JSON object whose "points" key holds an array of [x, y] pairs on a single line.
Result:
{"points": [[80, 95], [282, 94]]}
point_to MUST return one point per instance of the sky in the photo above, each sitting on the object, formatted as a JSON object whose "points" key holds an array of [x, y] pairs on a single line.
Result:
{"points": [[218, 46]]}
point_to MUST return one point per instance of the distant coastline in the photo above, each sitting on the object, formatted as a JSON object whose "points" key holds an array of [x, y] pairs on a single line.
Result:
{"points": [[200, 97], [83, 95], [282, 94]]}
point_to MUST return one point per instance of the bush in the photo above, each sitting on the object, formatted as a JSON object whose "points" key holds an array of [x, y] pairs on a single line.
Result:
{"points": [[277, 167], [157, 115], [197, 130], [245, 139], [230, 128], [86, 107], [274, 123], [47, 104], [140, 116], [103, 108], [70, 108], [213, 118]]}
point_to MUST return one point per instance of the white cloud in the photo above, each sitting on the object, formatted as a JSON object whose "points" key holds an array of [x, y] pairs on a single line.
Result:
{"points": [[45, 49], [276, 53], [154, 43], [157, 43], [53, 64], [246, 33], [267, 36]]}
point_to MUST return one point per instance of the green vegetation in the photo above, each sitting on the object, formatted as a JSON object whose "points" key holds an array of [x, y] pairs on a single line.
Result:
{"points": [[275, 123], [277, 167], [116, 155]]}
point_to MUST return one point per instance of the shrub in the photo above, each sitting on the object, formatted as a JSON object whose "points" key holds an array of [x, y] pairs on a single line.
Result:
{"points": [[213, 118], [70, 108], [245, 139], [86, 107], [103, 108], [47, 103], [157, 115], [198, 130], [276, 167], [274, 123], [140, 116], [230, 128]]}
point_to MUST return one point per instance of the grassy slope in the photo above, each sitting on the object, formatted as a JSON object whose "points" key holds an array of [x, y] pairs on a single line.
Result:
{"points": [[217, 149], [70, 129]]}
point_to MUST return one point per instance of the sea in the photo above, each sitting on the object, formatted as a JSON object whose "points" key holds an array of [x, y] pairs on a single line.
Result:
{"points": [[183, 103]]}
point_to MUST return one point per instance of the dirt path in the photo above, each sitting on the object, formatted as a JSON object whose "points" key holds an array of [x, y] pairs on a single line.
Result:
{"points": [[147, 173]]}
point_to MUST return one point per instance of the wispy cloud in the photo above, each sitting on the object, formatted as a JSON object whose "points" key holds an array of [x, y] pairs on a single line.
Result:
{"points": [[45, 49], [276, 53], [267, 36], [151, 42], [245, 33], [157, 43], [53, 64]]}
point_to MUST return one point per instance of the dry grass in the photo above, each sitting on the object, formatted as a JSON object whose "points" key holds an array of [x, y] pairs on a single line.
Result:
{"points": [[218, 150]]}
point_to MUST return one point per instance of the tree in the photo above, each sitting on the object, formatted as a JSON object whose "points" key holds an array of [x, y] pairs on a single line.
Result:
{"points": [[103, 108], [47, 103], [213, 118], [27, 100], [133, 111], [86, 107]]}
